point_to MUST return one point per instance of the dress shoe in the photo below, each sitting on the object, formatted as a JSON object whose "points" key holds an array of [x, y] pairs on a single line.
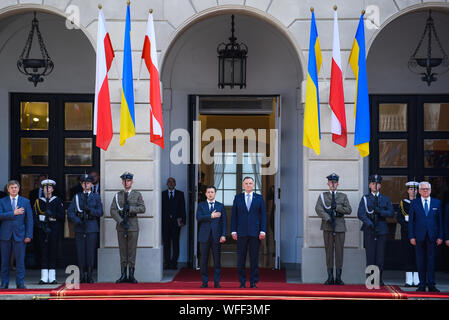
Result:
{"points": [[433, 289], [204, 285], [21, 286], [217, 285], [421, 289], [338, 280], [242, 285], [253, 285], [4, 286], [42, 282]]}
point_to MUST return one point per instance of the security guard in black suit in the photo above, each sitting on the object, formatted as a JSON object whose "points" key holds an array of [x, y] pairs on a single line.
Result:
{"points": [[84, 211], [374, 208]]}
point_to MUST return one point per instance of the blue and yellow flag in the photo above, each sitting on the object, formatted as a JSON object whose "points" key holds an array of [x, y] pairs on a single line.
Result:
{"points": [[127, 118], [312, 133], [357, 60]]}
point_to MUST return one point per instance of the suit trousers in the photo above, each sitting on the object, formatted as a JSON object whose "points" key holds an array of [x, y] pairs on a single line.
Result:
{"points": [[86, 245], [375, 248], [7, 246], [425, 261], [216, 254], [334, 246], [171, 241], [127, 243], [245, 244]]}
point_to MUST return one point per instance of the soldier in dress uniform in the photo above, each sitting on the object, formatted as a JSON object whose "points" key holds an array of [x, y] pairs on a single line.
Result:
{"points": [[408, 250], [125, 206], [84, 211], [48, 214], [331, 206], [374, 208]]}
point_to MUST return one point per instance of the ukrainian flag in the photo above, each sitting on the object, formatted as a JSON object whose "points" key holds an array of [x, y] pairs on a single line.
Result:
{"points": [[127, 118], [357, 60], [312, 133]]}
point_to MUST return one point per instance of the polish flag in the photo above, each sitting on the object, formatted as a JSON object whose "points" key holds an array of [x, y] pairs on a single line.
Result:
{"points": [[149, 54], [336, 98], [102, 108]]}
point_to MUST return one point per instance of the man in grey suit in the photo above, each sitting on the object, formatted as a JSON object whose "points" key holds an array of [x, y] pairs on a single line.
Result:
{"points": [[331, 207], [125, 206]]}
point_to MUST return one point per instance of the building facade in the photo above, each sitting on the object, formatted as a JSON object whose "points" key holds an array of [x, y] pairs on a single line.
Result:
{"points": [[409, 119]]}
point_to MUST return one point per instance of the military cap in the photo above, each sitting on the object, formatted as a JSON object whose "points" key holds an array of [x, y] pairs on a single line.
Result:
{"points": [[375, 178], [87, 178], [412, 184], [48, 182], [127, 175], [333, 177]]}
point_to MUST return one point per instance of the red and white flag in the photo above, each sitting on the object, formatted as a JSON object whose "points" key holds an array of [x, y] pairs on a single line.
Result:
{"points": [[102, 107], [336, 98], [149, 54]]}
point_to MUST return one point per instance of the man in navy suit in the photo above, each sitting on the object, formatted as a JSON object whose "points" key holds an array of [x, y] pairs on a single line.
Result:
{"points": [[16, 230], [425, 231], [248, 227], [211, 216], [84, 211]]}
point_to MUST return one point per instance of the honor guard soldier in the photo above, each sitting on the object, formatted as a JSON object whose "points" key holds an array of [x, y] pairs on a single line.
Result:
{"points": [[331, 206], [408, 250], [374, 208], [48, 214], [84, 211], [125, 206]]}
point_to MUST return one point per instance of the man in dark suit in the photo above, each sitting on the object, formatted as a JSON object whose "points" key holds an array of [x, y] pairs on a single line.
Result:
{"points": [[84, 211], [425, 231], [374, 208], [173, 218], [211, 216], [248, 227], [16, 230]]}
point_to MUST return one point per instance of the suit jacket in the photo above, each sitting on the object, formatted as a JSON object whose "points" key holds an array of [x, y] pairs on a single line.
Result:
{"points": [[178, 211], [420, 224], [20, 226], [218, 226], [96, 211], [343, 207], [252, 222], [385, 210], [136, 206]]}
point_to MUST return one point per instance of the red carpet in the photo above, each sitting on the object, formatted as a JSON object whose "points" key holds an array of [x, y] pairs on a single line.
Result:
{"points": [[230, 275]]}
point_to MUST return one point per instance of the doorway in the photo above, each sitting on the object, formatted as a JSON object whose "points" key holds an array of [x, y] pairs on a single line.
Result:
{"points": [[51, 136], [243, 128]]}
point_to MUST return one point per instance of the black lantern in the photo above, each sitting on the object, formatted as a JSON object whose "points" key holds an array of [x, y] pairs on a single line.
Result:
{"points": [[232, 62], [424, 65], [35, 68]]}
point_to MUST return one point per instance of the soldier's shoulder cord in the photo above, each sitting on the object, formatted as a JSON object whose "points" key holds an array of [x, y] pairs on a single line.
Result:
{"points": [[324, 204], [37, 207], [116, 202], [402, 209], [366, 205]]}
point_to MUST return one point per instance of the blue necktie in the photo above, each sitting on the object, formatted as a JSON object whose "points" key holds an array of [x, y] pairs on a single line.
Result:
{"points": [[13, 204], [426, 207], [211, 206], [248, 202]]}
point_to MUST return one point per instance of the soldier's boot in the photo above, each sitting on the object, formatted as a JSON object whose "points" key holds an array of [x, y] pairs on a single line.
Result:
{"points": [[90, 279], [123, 278], [131, 278], [338, 280], [330, 276]]}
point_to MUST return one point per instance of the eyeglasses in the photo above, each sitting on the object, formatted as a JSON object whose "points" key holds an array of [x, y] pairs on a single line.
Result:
{"points": [[424, 189]]}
